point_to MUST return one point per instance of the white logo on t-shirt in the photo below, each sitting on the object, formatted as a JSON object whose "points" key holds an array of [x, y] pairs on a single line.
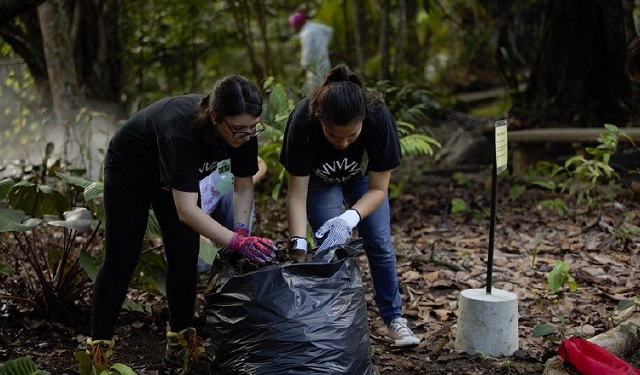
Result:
{"points": [[338, 170]]}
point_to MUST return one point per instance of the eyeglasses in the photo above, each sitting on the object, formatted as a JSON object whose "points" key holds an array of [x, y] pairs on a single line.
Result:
{"points": [[258, 128]]}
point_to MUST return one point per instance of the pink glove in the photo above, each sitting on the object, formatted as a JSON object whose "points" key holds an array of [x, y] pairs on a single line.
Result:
{"points": [[258, 249], [241, 229]]}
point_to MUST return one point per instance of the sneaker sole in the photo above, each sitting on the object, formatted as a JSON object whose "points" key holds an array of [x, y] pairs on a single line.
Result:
{"points": [[406, 342]]}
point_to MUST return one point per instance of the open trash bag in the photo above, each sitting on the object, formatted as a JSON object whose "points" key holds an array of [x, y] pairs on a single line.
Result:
{"points": [[300, 318]]}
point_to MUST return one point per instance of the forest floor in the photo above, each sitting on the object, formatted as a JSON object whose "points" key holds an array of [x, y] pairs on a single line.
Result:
{"points": [[440, 254]]}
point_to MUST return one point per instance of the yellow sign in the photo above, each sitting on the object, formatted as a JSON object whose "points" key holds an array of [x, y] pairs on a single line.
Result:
{"points": [[501, 145]]}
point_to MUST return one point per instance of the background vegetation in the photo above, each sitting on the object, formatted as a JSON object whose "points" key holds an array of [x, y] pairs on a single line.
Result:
{"points": [[72, 70]]}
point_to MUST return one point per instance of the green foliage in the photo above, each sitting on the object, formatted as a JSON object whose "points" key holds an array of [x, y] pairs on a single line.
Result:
{"points": [[580, 177], [460, 179], [459, 205], [413, 143], [86, 367], [52, 262], [56, 267], [19, 112], [556, 204], [534, 251], [552, 333], [21, 366], [278, 106], [560, 276], [626, 304], [55, 277], [516, 191], [546, 331]]}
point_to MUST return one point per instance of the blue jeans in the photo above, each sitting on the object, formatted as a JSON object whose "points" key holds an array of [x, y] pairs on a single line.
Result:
{"points": [[325, 201]]}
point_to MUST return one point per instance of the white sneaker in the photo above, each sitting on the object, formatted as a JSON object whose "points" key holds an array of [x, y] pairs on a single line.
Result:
{"points": [[399, 334]]}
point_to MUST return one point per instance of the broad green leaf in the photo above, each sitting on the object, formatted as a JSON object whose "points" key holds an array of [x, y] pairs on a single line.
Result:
{"points": [[94, 191], [74, 180], [90, 265], [207, 251], [21, 366], [625, 304], [123, 369], [85, 362], [16, 221], [5, 187], [555, 279], [37, 200], [78, 219], [153, 227], [542, 330], [150, 274]]}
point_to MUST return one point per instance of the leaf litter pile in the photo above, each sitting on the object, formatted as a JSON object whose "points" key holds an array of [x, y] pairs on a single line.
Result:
{"points": [[440, 254]]}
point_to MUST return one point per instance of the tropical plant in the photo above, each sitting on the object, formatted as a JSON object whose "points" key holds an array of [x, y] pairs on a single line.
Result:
{"points": [[57, 266], [53, 276], [278, 105], [580, 177], [21, 366], [87, 367], [560, 276]]}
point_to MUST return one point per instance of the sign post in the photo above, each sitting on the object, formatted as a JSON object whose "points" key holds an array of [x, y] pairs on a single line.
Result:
{"points": [[488, 320], [499, 164]]}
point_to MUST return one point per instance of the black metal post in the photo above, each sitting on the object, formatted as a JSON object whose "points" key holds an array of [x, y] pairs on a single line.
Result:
{"points": [[492, 221]]}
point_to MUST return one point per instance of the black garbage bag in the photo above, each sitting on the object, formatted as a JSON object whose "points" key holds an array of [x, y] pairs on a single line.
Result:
{"points": [[302, 318]]}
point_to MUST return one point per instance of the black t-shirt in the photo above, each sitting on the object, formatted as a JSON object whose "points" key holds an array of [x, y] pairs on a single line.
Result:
{"points": [[306, 150], [161, 146]]}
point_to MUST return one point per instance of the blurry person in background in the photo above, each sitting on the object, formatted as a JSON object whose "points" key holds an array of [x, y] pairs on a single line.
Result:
{"points": [[314, 44]]}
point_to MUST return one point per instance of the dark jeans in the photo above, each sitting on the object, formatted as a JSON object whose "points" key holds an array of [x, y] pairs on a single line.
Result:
{"points": [[126, 222], [325, 201]]}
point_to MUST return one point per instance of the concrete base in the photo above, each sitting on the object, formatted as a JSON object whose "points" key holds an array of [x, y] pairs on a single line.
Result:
{"points": [[487, 323]]}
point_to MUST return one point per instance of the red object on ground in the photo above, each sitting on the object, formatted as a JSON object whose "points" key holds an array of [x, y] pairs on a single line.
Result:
{"points": [[591, 359]]}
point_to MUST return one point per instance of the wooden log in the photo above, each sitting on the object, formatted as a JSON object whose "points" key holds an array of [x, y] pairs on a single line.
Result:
{"points": [[529, 145], [565, 135]]}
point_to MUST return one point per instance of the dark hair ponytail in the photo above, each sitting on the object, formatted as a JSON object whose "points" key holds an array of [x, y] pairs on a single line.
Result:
{"points": [[230, 96], [342, 99]]}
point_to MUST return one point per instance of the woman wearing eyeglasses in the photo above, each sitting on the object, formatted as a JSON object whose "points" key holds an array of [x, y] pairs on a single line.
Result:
{"points": [[156, 160], [339, 148]]}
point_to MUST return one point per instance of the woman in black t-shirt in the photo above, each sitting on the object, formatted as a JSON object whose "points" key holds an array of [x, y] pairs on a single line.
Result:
{"points": [[156, 160], [339, 148]]}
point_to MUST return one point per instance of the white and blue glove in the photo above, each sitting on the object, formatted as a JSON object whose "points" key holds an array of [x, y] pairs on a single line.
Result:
{"points": [[337, 231]]}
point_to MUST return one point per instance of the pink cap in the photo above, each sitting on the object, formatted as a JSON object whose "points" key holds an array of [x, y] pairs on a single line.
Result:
{"points": [[297, 19]]}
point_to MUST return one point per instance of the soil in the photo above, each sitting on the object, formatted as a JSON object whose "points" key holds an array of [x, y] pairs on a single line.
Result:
{"points": [[440, 254]]}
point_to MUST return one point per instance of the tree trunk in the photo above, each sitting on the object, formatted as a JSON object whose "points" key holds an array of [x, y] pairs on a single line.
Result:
{"points": [[240, 12], [383, 47], [24, 36], [412, 54], [262, 25], [97, 55], [577, 76], [60, 62], [357, 35], [400, 37], [97, 50]]}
